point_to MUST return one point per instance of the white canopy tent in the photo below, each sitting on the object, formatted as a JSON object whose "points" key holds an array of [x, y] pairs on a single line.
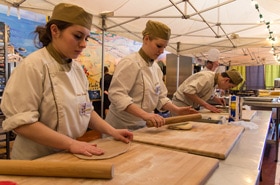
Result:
{"points": [[232, 26]]}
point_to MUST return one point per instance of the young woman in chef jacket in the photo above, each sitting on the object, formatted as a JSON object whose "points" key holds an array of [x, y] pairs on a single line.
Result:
{"points": [[46, 99], [137, 87]]}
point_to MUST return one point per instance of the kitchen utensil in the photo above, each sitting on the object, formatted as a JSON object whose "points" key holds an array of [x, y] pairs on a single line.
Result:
{"points": [[178, 119]]}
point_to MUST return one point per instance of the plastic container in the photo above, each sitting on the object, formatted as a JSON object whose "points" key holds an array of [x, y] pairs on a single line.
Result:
{"points": [[232, 108], [235, 108]]}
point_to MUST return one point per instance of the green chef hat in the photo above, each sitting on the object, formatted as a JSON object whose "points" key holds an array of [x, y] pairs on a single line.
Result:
{"points": [[235, 76], [157, 29], [72, 14]]}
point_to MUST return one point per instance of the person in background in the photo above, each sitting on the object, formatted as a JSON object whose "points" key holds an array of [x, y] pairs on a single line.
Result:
{"points": [[46, 99], [197, 89], [212, 63], [137, 87], [107, 82]]}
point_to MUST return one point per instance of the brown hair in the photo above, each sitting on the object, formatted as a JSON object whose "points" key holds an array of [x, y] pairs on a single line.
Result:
{"points": [[106, 69], [225, 75], [43, 34]]}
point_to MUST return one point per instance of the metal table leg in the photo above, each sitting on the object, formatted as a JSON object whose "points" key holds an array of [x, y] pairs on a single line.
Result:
{"points": [[8, 144]]}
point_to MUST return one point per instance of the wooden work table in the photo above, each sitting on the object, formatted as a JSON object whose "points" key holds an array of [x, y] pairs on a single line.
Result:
{"points": [[152, 165], [142, 164]]}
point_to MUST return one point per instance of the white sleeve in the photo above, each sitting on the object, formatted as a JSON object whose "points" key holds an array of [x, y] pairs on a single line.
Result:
{"points": [[22, 96]]}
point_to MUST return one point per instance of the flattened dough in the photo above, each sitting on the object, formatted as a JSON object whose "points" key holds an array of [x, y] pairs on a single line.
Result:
{"points": [[111, 147], [181, 126]]}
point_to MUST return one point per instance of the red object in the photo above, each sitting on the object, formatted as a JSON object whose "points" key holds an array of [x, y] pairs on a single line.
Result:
{"points": [[7, 183]]}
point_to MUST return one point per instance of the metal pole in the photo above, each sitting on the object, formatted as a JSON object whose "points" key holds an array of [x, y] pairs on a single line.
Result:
{"points": [[178, 65], [102, 66]]}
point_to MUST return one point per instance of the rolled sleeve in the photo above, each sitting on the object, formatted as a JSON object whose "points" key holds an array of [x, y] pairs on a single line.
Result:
{"points": [[19, 119], [162, 102], [21, 99]]}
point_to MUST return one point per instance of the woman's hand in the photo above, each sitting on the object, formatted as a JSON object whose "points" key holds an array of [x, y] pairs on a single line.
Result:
{"points": [[186, 110], [221, 101], [84, 148], [123, 135], [154, 119], [89, 149], [213, 108]]}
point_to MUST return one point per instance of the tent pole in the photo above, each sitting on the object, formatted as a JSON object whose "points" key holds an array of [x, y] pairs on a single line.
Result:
{"points": [[177, 71], [102, 66], [178, 65]]}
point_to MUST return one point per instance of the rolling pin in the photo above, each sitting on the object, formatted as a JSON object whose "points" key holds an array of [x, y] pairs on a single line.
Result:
{"points": [[99, 170], [177, 119]]}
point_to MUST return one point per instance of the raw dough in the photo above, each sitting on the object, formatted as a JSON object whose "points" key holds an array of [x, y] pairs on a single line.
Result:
{"points": [[110, 146], [181, 126]]}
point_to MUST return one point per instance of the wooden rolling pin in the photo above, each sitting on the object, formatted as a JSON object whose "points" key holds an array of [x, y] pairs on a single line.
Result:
{"points": [[98, 170], [178, 119]]}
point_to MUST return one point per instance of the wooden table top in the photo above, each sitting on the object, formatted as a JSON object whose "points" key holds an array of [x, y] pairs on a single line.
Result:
{"points": [[142, 164], [212, 140]]}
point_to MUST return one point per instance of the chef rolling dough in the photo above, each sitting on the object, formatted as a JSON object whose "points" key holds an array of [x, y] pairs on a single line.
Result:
{"points": [[111, 147], [181, 126]]}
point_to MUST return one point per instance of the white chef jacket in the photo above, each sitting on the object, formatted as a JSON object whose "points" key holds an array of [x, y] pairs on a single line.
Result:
{"points": [[202, 84], [135, 81], [206, 69], [41, 89]]}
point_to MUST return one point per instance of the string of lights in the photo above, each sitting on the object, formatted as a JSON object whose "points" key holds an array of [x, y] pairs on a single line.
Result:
{"points": [[271, 36]]}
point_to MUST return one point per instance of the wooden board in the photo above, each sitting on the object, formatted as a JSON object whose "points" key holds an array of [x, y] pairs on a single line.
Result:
{"points": [[212, 140], [247, 115], [142, 164]]}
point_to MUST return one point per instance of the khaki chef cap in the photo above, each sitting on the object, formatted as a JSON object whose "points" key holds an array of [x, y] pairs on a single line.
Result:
{"points": [[235, 76], [157, 29], [72, 14], [213, 55]]}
